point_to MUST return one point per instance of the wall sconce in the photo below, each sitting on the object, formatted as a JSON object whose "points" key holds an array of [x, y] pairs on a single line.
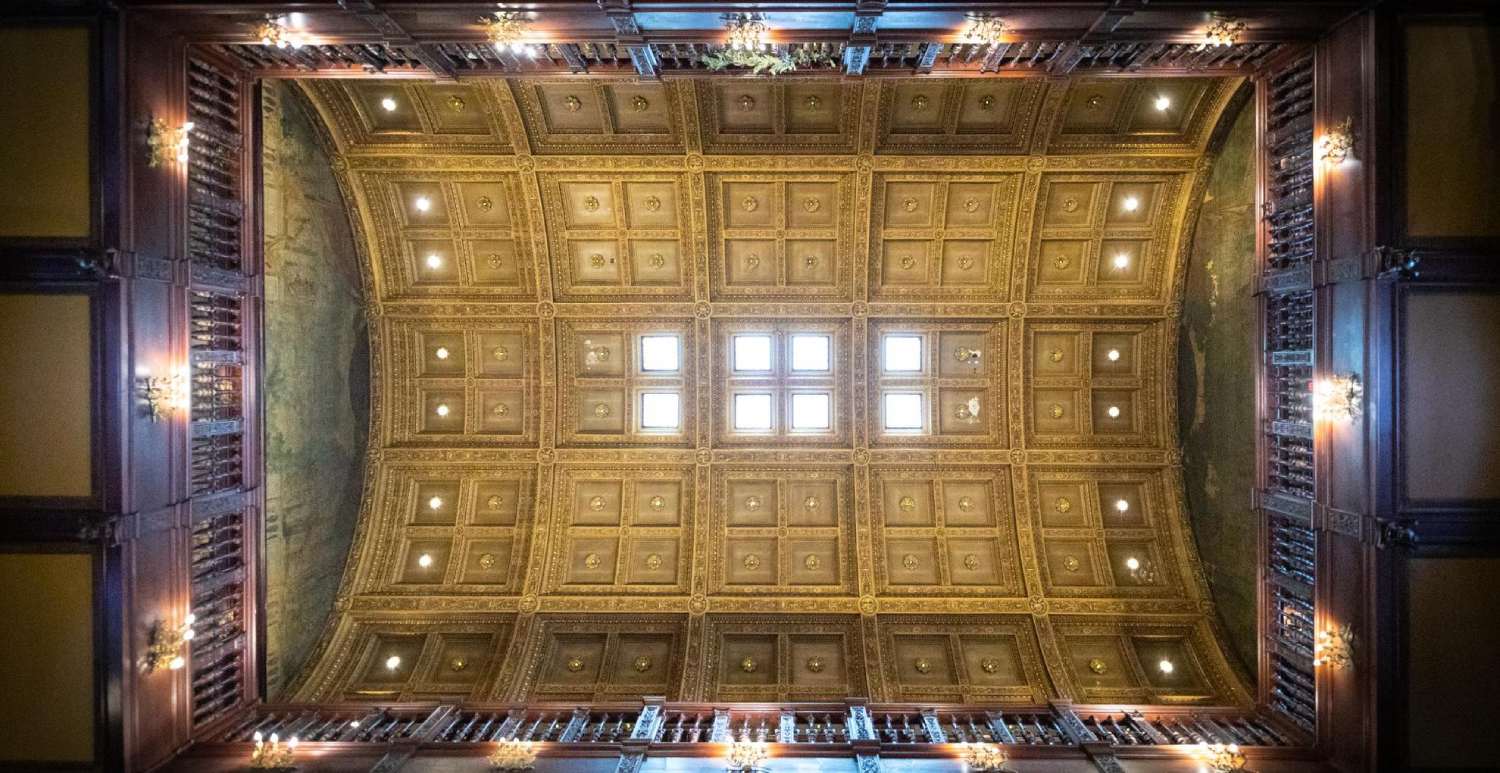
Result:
{"points": [[166, 143], [983, 758], [1334, 648], [1220, 758], [162, 394], [746, 757], [505, 30], [967, 356], [1223, 31], [1339, 398], [168, 644], [1337, 143], [747, 31], [276, 31], [513, 754], [272, 754], [984, 30]]}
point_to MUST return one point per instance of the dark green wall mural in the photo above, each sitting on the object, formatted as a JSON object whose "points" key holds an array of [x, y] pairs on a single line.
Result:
{"points": [[1216, 383], [316, 385]]}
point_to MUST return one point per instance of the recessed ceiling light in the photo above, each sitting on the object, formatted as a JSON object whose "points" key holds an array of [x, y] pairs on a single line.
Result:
{"points": [[389, 103], [434, 261], [424, 560], [1122, 505], [1114, 411], [1130, 204], [393, 662], [1132, 563], [1163, 102], [1114, 355], [441, 353], [1166, 666], [1121, 262], [442, 409], [422, 203], [435, 503]]}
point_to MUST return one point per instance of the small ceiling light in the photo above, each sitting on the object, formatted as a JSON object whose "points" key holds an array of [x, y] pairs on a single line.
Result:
{"points": [[434, 261], [422, 203], [425, 560], [1114, 413], [278, 32], [1121, 262], [389, 103], [1166, 666], [442, 409], [506, 30], [1132, 563], [1223, 31], [1163, 102], [1122, 505], [393, 662], [1130, 204], [441, 353], [1337, 143], [436, 503], [1113, 355], [747, 31], [984, 30]]}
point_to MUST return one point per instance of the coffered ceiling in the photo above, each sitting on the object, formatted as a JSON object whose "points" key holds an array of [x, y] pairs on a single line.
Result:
{"points": [[767, 389]]}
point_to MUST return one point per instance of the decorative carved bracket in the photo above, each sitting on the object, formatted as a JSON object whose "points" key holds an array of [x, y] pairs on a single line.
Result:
{"points": [[1397, 533], [1398, 265]]}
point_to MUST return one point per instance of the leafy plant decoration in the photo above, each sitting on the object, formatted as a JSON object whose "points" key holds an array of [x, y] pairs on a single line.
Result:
{"points": [[766, 62]]}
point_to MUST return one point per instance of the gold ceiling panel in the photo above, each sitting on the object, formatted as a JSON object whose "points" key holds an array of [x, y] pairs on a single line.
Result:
{"points": [[773, 389]]}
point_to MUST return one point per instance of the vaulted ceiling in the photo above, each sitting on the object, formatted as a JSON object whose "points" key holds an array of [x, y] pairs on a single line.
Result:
{"points": [[951, 474]]}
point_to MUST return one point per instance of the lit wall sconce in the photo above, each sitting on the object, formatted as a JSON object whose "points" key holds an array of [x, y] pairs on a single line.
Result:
{"points": [[984, 30], [746, 757], [512, 754], [1220, 758], [278, 32], [162, 394], [1334, 648], [1223, 31], [166, 143], [983, 758], [273, 754], [168, 644], [1339, 398], [1337, 144], [506, 29]]}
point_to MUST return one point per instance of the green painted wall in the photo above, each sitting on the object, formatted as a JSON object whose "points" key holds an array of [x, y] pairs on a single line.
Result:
{"points": [[317, 383], [1216, 384]]}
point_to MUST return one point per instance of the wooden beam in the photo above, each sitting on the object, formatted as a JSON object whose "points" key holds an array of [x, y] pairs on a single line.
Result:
{"points": [[395, 34], [628, 34], [862, 36]]}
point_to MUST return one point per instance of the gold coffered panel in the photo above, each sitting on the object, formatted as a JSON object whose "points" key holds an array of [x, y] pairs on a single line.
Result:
{"points": [[773, 402]]}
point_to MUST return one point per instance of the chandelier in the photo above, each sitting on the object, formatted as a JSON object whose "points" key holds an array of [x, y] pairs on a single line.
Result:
{"points": [[983, 758], [506, 28], [747, 32], [1223, 31], [277, 32], [984, 30], [1220, 758], [746, 757], [272, 754], [513, 754]]}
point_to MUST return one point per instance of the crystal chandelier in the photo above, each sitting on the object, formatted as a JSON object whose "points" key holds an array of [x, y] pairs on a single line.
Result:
{"points": [[272, 754], [277, 32], [984, 30], [1223, 31], [746, 757], [513, 754], [506, 28], [747, 31], [983, 758], [1220, 758]]}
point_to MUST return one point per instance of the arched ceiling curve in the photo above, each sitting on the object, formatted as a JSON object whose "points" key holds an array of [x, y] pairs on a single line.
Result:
{"points": [[526, 534]]}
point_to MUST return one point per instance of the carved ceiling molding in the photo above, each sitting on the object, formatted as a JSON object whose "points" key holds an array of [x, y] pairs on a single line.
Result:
{"points": [[537, 531]]}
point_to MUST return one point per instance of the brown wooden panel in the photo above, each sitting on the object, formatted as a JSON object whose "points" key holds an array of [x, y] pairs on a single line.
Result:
{"points": [[1450, 684], [45, 118], [47, 603], [45, 397]]}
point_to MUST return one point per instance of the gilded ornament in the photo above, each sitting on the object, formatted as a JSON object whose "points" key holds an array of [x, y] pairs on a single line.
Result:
{"points": [[458, 664], [596, 260], [658, 502], [1094, 101], [1062, 505], [813, 102], [653, 561], [908, 262], [640, 103], [965, 263], [752, 562], [486, 204], [487, 560], [500, 409], [811, 261], [601, 410], [812, 204], [1070, 204], [815, 664], [642, 663], [493, 502], [909, 204], [811, 503], [748, 665], [922, 665], [1056, 355], [1062, 262], [962, 413], [653, 203], [1071, 563], [591, 561], [753, 261], [965, 504], [971, 205], [989, 665], [919, 102], [574, 104], [1056, 411], [987, 102], [575, 664], [910, 562], [1097, 666], [811, 562], [971, 562], [494, 260], [600, 353], [750, 204], [591, 203], [747, 103], [596, 504], [907, 504], [657, 260], [456, 103], [500, 353], [752, 502]]}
